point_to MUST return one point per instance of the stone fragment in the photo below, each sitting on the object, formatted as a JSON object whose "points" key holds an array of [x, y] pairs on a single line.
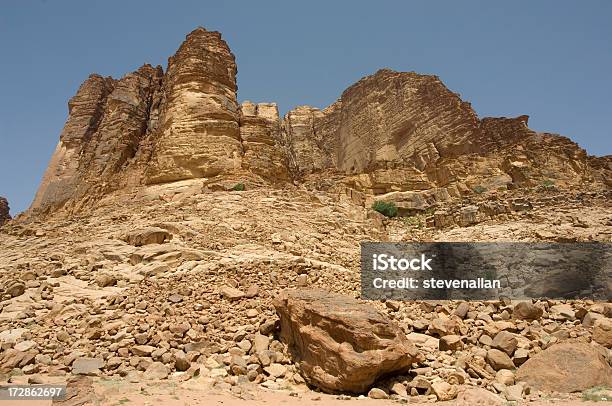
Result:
{"points": [[145, 236], [276, 370], [444, 391], [15, 288], [231, 294], [505, 341], [451, 342], [377, 393], [602, 332], [499, 360], [142, 350], [399, 389], [156, 371], [104, 280], [505, 376], [87, 366], [478, 397], [527, 311]]}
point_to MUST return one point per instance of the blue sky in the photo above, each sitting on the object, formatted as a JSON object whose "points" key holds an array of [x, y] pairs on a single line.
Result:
{"points": [[550, 59]]}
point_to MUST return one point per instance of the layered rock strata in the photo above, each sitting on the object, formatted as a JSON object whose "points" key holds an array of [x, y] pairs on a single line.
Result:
{"points": [[389, 132]]}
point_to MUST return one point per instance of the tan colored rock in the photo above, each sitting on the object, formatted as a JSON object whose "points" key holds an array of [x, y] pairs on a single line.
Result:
{"points": [[442, 326], [260, 133], [444, 391], [505, 341], [198, 132], [339, 344], [377, 393], [478, 397], [145, 236], [602, 332], [527, 311], [232, 294], [451, 342], [566, 367], [499, 360]]}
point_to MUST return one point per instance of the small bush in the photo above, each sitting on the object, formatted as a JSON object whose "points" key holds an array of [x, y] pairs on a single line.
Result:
{"points": [[597, 394], [238, 187], [479, 189], [412, 221], [386, 208], [548, 183]]}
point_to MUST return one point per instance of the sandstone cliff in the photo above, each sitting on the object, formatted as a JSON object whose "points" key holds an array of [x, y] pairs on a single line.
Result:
{"points": [[4, 211], [391, 132]]}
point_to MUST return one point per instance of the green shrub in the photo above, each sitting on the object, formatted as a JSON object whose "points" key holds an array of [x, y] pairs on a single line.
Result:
{"points": [[479, 189], [239, 187], [412, 221], [548, 183], [597, 394], [387, 208]]}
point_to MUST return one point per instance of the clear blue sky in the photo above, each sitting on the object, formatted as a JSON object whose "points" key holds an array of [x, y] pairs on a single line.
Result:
{"points": [[550, 59]]}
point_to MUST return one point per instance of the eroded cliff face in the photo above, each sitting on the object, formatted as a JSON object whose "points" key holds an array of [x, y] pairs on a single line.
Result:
{"points": [[401, 131], [4, 211], [260, 132], [198, 134], [390, 132]]}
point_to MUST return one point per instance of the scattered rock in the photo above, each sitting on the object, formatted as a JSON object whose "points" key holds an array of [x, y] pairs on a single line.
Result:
{"points": [[231, 294], [527, 311], [499, 360], [145, 236], [87, 366], [444, 390], [377, 393], [156, 371], [602, 332]]}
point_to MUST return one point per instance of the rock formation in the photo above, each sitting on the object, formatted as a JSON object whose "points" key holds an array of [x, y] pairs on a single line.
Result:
{"points": [[566, 367], [389, 132], [198, 132], [339, 344], [260, 132], [4, 211]]}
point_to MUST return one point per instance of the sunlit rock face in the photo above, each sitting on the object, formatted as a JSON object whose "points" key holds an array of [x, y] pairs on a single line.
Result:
{"points": [[198, 131], [260, 132], [389, 132]]}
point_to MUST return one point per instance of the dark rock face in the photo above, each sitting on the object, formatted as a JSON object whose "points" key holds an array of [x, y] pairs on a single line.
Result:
{"points": [[4, 211], [389, 132]]}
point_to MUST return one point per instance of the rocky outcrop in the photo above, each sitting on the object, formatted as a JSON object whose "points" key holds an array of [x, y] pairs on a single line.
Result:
{"points": [[260, 133], [198, 132], [389, 132], [4, 211], [339, 344], [85, 111], [402, 131]]}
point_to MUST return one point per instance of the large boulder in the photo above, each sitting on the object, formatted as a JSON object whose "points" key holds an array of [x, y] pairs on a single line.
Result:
{"points": [[339, 343], [566, 367], [602, 332]]}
